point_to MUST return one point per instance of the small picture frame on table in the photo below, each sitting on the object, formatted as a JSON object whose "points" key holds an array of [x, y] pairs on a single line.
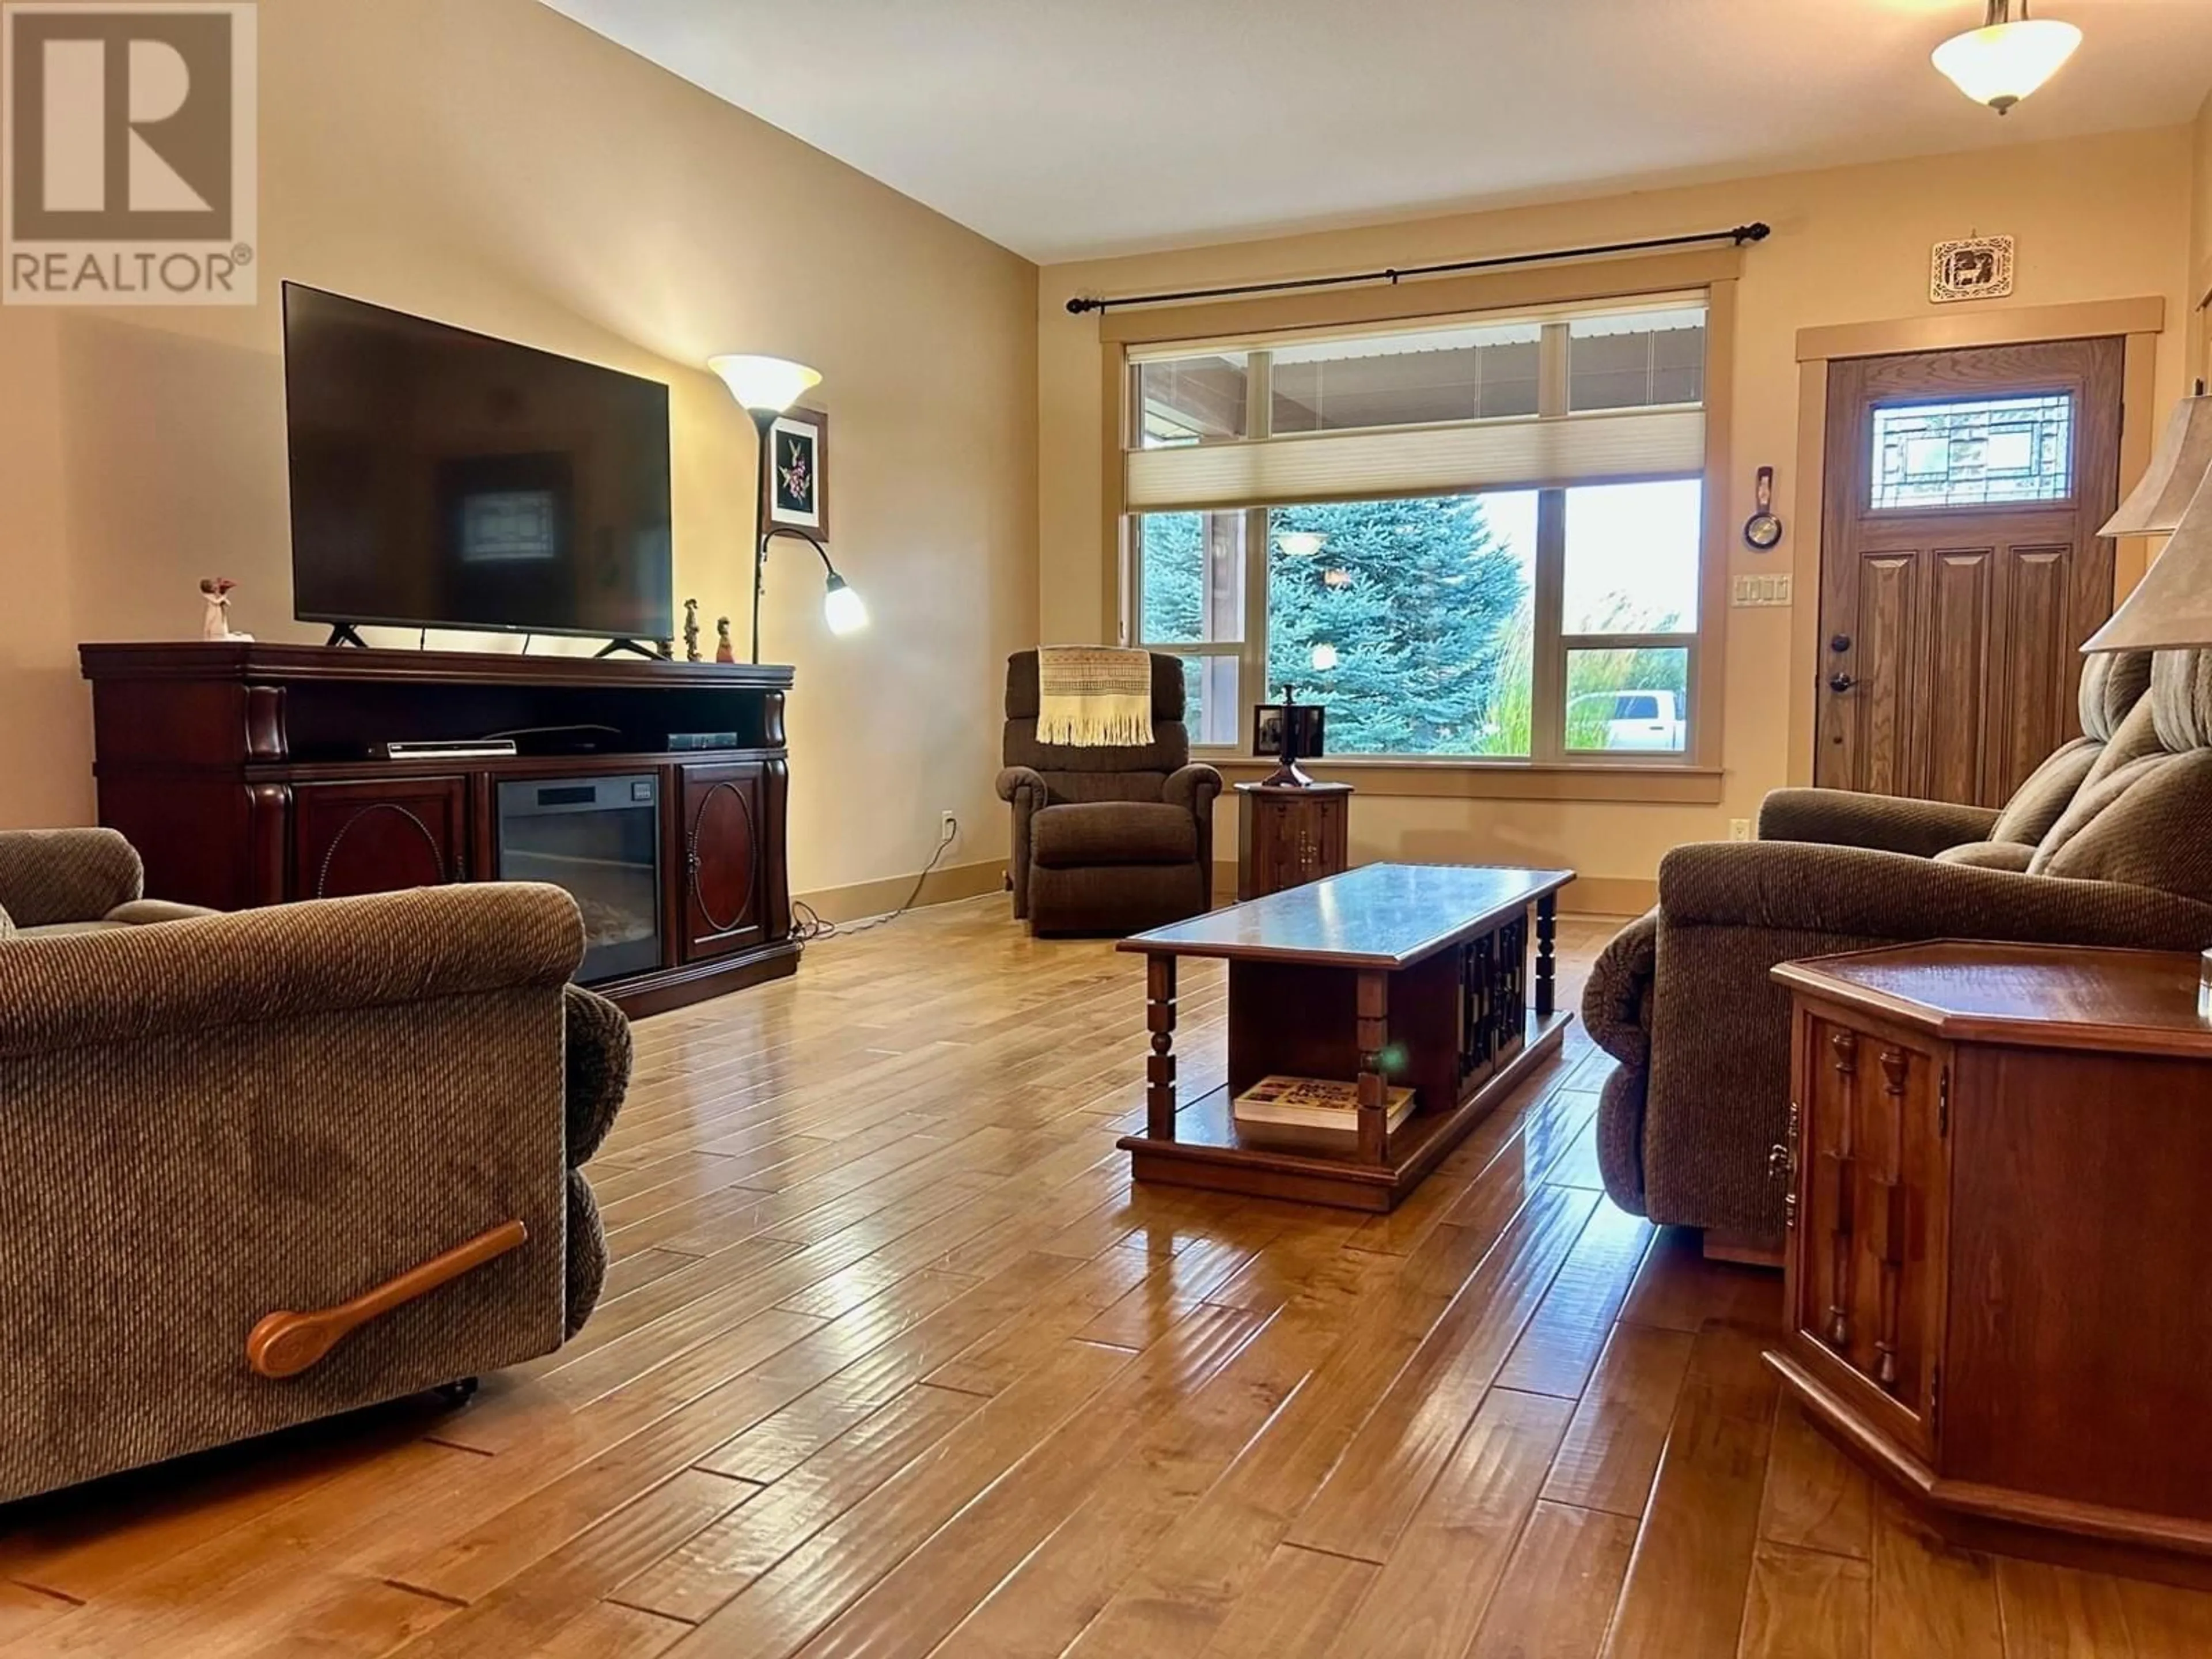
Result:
{"points": [[796, 497]]}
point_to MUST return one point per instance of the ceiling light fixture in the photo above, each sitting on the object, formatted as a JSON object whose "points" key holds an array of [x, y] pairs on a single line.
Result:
{"points": [[2007, 57]]}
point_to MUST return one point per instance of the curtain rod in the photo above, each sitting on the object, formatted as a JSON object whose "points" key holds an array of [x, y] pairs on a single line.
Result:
{"points": [[1757, 231]]}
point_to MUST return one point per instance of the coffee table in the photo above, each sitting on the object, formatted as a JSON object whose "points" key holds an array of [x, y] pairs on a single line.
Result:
{"points": [[1415, 975]]}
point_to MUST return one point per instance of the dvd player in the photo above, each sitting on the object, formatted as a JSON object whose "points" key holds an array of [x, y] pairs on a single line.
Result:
{"points": [[444, 749]]}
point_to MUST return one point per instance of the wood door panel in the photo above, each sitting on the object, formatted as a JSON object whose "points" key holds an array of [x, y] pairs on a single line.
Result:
{"points": [[1950, 632], [349, 839], [2039, 671], [1958, 654], [1887, 626], [1873, 1185]]}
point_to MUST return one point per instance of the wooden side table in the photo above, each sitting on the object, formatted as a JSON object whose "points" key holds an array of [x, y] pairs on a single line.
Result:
{"points": [[1288, 836], [2000, 1232]]}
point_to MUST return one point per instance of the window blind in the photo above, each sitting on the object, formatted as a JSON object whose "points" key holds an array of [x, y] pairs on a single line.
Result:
{"points": [[1385, 463]]}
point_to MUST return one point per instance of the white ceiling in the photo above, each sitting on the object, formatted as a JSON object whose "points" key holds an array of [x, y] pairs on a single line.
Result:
{"points": [[1064, 128]]}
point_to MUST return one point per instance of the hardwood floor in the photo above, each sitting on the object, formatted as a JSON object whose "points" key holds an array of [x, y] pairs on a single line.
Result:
{"points": [[895, 1361]]}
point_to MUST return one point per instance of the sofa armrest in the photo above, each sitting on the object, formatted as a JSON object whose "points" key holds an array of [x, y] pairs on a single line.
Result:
{"points": [[51, 876], [598, 1061], [287, 962], [1853, 893], [1025, 787], [209, 1122], [147, 912], [1014, 779], [1617, 998], [1892, 823], [1194, 788]]}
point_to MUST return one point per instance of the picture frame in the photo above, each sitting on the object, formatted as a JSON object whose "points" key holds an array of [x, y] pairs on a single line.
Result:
{"points": [[794, 487], [1308, 729], [1971, 268]]}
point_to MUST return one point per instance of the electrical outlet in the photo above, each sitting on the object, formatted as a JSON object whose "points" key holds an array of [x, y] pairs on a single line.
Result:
{"points": [[948, 827], [1739, 829]]}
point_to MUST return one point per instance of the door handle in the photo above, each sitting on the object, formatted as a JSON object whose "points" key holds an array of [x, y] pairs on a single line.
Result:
{"points": [[1840, 683]]}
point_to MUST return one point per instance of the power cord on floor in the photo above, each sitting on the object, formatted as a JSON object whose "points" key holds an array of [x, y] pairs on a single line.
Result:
{"points": [[813, 925]]}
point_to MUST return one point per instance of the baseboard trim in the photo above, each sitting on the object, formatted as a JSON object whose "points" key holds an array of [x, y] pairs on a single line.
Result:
{"points": [[1589, 896], [1609, 896], [941, 886]]}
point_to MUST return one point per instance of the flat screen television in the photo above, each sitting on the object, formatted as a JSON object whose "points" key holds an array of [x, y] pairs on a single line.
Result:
{"points": [[445, 479]]}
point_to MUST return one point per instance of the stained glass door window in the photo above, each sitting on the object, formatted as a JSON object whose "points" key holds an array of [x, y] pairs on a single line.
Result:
{"points": [[1982, 453]]}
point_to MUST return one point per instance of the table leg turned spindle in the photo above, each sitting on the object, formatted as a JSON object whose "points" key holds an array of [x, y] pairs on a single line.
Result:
{"points": [[1373, 1037], [1160, 1066], [1547, 928]]}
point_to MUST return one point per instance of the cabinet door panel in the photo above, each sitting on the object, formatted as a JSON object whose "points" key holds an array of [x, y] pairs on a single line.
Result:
{"points": [[377, 837], [723, 843], [1873, 1185]]}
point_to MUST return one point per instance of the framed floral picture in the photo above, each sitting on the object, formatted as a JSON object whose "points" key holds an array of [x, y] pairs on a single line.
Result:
{"points": [[799, 444]]}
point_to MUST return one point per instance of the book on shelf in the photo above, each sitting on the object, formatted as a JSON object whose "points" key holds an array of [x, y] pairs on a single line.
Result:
{"points": [[1315, 1104]]}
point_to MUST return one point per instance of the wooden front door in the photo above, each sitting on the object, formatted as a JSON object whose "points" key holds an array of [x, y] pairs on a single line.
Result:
{"points": [[1961, 567]]}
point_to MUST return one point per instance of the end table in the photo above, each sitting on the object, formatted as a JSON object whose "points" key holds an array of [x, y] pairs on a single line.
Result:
{"points": [[1288, 835], [1999, 1240]]}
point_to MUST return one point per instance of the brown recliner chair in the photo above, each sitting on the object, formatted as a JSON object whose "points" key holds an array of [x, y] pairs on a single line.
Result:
{"points": [[217, 1132], [1106, 839], [2104, 845]]}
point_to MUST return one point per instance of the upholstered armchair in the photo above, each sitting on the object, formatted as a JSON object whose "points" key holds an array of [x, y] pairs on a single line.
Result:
{"points": [[1106, 839], [217, 1132], [2104, 845]]}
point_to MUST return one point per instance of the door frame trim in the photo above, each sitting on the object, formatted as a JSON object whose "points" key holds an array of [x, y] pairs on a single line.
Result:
{"points": [[2137, 322]]}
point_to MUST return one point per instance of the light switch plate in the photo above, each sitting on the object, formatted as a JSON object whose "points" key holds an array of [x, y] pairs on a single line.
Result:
{"points": [[1754, 592]]}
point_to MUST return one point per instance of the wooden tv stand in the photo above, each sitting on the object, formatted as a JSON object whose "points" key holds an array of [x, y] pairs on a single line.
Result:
{"points": [[244, 775]]}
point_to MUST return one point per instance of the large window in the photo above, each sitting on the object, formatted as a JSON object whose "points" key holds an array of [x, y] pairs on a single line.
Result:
{"points": [[1477, 541]]}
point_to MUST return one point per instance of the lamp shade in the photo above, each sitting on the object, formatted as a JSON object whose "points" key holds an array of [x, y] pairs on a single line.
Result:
{"points": [[764, 383], [2170, 608], [842, 608], [2183, 458], [2002, 64]]}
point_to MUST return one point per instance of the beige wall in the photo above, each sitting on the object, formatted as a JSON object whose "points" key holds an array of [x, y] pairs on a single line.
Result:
{"points": [[2099, 219], [490, 163], [2200, 244]]}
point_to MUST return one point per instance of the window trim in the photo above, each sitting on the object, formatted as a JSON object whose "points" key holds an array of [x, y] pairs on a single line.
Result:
{"points": [[1128, 336]]}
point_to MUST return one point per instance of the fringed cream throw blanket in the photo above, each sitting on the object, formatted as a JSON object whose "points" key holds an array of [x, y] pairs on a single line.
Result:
{"points": [[1093, 696]]}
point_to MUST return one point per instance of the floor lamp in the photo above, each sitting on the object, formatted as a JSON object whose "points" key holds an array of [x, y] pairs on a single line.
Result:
{"points": [[766, 386]]}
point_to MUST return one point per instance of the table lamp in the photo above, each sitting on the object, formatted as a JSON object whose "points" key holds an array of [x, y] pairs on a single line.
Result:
{"points": [[766, 387], [2170, 608]]}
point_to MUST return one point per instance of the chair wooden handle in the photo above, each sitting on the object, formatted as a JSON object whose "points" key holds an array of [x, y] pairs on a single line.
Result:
{"points": [[284, 1344]]}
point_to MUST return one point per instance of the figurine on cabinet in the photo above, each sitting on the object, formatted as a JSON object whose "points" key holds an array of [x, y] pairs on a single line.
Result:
{"points": [[690, 630], [215, 624], [724, 651]]}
